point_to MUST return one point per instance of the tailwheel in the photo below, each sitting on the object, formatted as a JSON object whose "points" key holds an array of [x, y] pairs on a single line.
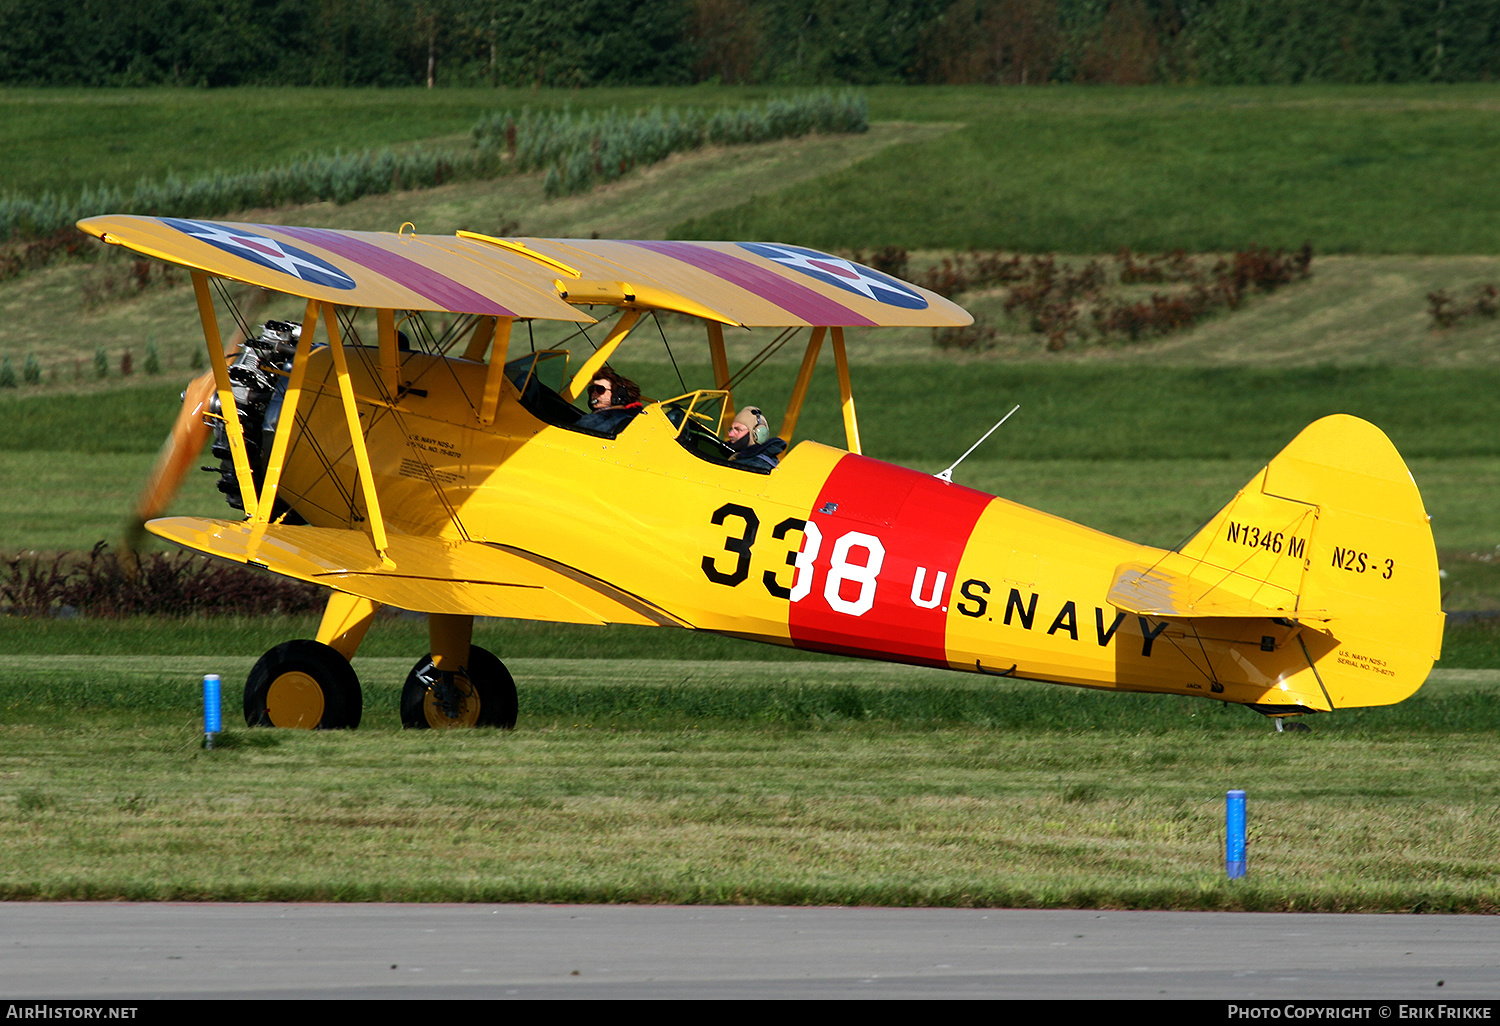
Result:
{"points": [[481, 694], [303, 684]]}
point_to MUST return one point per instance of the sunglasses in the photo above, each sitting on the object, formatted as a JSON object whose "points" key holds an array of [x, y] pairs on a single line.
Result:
{"points": [[598, 389]]}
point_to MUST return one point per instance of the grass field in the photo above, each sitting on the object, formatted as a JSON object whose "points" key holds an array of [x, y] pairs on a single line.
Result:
{"points": [[1089, 170], [671, 766], [829, 782]]}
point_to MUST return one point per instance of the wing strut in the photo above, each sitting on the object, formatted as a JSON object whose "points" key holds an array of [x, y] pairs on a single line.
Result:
{"points": [[356, 434], [804, 378], [288, 418], [721, 371], [484, 331], [227, 406], [799, 391], [593, 363], [496, 372], [390, 357], [846, 391]]}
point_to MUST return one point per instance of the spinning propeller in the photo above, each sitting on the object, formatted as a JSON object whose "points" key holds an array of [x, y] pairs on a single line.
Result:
{"points": [[184, 444]]}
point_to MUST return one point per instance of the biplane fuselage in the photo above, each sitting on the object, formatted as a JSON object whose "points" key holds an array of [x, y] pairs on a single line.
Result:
{"points": [[437, 483]]}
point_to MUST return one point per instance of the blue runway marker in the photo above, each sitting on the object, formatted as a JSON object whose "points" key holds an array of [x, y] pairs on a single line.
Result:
{"points": [[213, 711], [1234, 834]]}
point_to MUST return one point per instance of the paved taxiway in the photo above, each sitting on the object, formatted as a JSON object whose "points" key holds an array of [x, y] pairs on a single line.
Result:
{"points": [[141, 951]]}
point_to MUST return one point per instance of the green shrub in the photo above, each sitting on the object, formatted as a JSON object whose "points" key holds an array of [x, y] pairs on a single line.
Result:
{"points": [[31, 371], [158, 584]]}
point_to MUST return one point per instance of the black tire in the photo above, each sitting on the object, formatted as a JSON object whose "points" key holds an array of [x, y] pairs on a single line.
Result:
{"points": [[303, 684], [486, 695]]}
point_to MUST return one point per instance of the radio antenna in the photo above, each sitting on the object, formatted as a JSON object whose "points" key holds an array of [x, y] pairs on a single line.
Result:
{"points": [[947, 475]]}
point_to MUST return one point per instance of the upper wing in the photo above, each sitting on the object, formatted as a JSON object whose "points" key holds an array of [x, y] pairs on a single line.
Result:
{"points": [[747, 283]]}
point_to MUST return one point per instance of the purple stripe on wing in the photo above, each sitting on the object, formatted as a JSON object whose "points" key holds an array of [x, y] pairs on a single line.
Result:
{"points": [[798, 300], [441, 289]]}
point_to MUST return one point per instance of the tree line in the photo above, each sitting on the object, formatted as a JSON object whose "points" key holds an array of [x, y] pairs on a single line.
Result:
{"points": [[579, 43]]}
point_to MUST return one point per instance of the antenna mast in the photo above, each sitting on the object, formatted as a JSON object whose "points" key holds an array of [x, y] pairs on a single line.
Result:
{"points": [[947, 475]]}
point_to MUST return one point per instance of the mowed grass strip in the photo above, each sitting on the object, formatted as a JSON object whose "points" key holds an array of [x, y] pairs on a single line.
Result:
{"points": [[1046, 810]]}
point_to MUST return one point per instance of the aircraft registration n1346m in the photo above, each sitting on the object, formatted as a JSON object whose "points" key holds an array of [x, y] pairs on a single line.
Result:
{"points": [[453, 472]]}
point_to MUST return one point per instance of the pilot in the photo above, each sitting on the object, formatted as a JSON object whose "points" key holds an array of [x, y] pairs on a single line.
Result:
{"points": [[750, 438], [613, 399]]}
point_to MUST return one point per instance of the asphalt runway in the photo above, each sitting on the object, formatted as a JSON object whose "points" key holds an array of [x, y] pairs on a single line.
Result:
{"points": [[149, 951]]}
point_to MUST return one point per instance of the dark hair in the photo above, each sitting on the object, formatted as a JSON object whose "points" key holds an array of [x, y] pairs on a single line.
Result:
{"points": [[622, 391]]}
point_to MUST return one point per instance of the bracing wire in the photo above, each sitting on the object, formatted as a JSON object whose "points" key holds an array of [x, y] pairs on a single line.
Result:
{"points": [[662, 332], [234, 310], [755, 362]]}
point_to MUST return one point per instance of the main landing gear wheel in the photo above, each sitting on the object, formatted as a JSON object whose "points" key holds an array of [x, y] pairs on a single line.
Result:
{"points": [[303, 684], [483, 694]]}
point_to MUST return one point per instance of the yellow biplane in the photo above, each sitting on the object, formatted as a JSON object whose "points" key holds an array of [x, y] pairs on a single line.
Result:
{"points": [[455, 474]]}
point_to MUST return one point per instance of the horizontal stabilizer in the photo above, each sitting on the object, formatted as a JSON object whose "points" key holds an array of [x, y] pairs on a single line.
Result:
{"points": [[1158, 589], [426, 575]]}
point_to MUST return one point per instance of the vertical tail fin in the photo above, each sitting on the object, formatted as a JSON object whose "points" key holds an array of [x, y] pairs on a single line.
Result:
{"points": [[1332, 534]]}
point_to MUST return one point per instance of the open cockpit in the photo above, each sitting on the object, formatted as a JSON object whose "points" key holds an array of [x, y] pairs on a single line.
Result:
{"points": [[700, 417]]}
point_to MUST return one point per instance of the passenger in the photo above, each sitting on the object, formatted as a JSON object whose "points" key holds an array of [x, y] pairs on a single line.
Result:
{"points": [[749, 428], [750, 438], [613, 401]]}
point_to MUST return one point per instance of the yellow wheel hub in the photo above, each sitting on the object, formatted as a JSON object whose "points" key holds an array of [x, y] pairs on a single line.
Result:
{"points": [[295, 699], [468, 707]]}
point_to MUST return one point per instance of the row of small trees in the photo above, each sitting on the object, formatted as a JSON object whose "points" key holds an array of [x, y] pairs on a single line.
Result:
{"points": [[578, 150], [581, 151], [31, 369], [572, 43]]}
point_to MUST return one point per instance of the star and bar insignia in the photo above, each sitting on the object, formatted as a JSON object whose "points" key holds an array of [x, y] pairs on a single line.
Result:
{"points": [[267, 252], [832, 270]]}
